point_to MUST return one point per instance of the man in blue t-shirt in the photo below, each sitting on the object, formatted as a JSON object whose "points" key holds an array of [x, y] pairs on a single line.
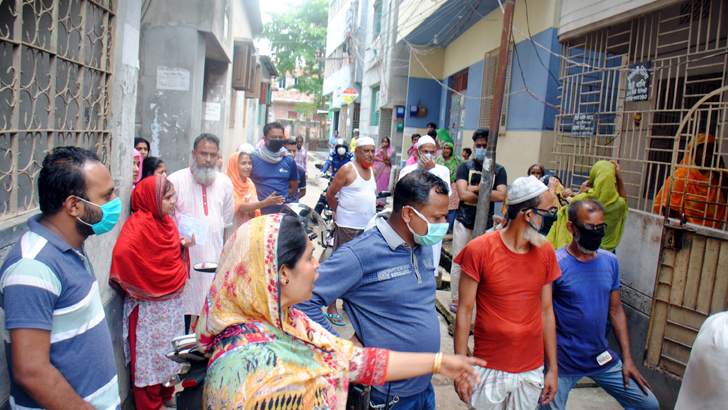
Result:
{"points": [[274, 168], [586, 299], [57, 341]]}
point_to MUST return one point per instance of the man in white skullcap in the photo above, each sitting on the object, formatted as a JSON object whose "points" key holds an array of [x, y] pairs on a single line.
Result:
{"points": [[355, 183], [515, 326], [354, 139], [426, 148]]}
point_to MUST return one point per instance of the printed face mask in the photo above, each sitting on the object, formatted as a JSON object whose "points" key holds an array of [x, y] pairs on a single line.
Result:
{"points": [[435, 232], [109, 217], [546, 221]]}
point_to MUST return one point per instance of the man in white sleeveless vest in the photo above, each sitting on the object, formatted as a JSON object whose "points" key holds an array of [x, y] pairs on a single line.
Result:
{"points": [[356, 205]]}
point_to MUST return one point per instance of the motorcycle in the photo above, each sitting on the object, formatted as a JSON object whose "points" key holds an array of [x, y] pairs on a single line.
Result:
{"points": [[194, 363]]}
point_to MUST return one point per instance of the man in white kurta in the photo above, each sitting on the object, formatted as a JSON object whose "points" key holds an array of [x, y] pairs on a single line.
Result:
{"points": [[426, 148], [211, 203]]}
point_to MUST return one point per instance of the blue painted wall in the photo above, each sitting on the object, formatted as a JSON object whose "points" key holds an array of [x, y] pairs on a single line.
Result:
{"points": [[445, 103], [525, 113], [424, 92], [472, 100]]}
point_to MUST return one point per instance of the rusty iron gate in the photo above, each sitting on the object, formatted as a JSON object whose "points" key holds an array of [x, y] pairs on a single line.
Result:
{"points": [[684, 50], [692, 275], [56, 64]]}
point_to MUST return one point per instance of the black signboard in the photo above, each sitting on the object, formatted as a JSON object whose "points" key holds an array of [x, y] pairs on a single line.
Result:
{"points": [[583, 125], [638, 82]]}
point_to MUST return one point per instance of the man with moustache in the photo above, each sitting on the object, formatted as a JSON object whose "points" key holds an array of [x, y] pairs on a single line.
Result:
{"points": [[509, 273], [204, 194], [57, 340], [356, 185]]}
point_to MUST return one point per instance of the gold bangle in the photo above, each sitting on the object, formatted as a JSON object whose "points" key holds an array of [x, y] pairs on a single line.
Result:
{"points": [[438, 362]]}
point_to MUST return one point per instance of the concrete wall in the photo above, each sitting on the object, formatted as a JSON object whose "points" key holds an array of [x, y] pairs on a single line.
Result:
{"points": [[638, 255], [581, 16], [99, 248]]}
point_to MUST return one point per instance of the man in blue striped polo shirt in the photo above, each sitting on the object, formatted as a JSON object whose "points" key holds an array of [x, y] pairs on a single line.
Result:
{"points": [[57, 341]]}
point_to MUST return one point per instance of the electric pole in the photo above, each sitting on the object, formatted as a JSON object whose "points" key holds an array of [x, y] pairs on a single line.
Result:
{"points": [[486, 180]]}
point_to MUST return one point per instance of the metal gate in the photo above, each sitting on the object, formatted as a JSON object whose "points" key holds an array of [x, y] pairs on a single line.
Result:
{"points": [[692, 276]]}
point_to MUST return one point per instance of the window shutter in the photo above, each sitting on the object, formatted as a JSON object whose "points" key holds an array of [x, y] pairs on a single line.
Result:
{"points": [[490, 73]]}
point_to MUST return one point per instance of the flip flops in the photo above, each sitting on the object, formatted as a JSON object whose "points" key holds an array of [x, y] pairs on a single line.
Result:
{"points": [[335, 319], [454, 307]]}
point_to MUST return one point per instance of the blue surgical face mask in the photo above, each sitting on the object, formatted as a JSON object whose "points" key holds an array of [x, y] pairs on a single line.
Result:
{"points": [[480, 154], [435, 232], [109, 217]]}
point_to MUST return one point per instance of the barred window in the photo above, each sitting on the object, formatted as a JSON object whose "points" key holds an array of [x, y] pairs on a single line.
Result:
{"points": [[56, 63]]}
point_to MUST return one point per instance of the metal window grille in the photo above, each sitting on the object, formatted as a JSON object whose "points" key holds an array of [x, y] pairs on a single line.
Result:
{"points": [[375, 107], [56, 60], [686, 48]]}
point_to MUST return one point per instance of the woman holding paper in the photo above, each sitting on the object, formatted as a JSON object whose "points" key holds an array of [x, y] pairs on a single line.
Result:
{"points": [[149, 267]]}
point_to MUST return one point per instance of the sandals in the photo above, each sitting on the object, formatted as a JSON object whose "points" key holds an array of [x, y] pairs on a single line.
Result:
{"points": [[335, 319], [454, 307]]}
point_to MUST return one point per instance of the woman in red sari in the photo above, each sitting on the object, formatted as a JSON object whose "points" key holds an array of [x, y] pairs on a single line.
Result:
{"points": [[147, 267]]}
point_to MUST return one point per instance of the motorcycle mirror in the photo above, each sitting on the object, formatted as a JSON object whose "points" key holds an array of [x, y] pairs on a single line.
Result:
{"points": [[319, 166], [205, 267]]}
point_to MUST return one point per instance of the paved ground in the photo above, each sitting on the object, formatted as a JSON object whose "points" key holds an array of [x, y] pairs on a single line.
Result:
{"points": [[584, 398]]}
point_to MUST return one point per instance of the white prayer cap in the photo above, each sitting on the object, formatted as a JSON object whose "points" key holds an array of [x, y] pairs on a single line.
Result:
{"points": [[356, 129], [364, 141], [245, 147], [425, 139], [525, 188]]}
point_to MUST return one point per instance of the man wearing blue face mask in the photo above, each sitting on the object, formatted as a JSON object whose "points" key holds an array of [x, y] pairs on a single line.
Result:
{"points": [[386, 279], [426, 148], [53, 310], [467, 180]]}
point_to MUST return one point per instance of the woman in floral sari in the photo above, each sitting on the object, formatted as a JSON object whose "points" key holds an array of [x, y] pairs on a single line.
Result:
{"points": [[264, 353], [451, 161], [383, 164]]}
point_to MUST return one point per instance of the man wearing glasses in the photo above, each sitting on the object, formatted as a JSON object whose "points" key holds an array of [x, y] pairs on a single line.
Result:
{"points": [[584, 297], [509, 273], [205, 195]]}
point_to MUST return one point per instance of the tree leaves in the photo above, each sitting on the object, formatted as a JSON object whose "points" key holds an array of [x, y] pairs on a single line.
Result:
{"points": [[298, 42]]}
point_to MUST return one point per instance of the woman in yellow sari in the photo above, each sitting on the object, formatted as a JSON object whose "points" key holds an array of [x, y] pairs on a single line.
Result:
{"points": [[699, 194], [264, 353]]}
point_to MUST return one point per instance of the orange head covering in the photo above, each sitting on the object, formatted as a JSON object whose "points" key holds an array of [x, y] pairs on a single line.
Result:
{"points": [[243, 192], [694, 193]]}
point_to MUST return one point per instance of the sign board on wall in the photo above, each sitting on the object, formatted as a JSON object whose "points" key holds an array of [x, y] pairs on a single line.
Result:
{"points": [[349, 95], [171, 78], [638, 82], [583, 125], [211, 111]]}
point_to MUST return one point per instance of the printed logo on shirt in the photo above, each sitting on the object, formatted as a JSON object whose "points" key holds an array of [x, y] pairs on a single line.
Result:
{"points": [[281, 170], [391, 273]]}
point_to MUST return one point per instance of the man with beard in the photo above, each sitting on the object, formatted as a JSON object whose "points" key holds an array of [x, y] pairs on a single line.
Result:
{"points": [[586, 298], [426, 148], [509, 272], [59, 348], [274, 168], [204, 194], [355, 183]]}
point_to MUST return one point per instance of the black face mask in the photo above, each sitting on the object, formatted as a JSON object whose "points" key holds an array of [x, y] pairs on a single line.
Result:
{"points": [[546, 221], [590, 239], [275, 145]]}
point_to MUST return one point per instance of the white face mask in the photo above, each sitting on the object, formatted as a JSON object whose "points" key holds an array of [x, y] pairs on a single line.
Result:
{"points": [[341, 150]]}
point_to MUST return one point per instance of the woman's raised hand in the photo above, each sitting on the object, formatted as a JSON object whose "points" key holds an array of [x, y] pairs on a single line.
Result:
{"points": [[460, 368], [273, 200], [186, 243]]}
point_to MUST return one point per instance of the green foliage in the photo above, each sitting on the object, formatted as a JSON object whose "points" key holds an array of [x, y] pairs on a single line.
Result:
{"points": [[298, 41]]}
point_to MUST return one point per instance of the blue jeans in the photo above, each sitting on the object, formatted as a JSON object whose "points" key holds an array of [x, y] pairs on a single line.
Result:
{"points": [[613, 383], [422, 401], [451, 219]]}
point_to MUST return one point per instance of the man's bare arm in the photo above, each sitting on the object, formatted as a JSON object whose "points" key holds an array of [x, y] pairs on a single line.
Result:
{"points": [[338, 182], [619, 324], [33, 371], [468, 289], [464, 193], [551, 380]]}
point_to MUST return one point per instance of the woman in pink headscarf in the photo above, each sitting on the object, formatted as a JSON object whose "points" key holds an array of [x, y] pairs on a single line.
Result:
{"points": [[415, 156], [138, 159], [383, 164]]}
